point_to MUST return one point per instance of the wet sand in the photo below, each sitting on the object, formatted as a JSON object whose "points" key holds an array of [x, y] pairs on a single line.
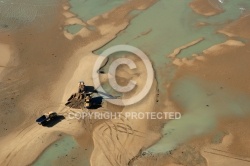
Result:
{"points": [[220, 69], [225, 66], [4, 56], [49, 69], [205, 7]]}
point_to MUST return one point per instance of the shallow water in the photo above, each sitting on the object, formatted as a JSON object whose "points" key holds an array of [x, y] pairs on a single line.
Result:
{"points": [[60, 148], [204, 104], [232, 11], [73, 29], [167, 30], [87, 9], [171, 24]]}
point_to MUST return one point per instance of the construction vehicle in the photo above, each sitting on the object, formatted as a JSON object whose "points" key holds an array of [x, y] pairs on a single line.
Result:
{"points": [[80, 99], [46, 118], [87, 100], [81, 87], [80, 95]]}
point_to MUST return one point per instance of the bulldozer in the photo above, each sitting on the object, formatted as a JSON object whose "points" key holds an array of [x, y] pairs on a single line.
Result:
{"points": [[81, 98]]}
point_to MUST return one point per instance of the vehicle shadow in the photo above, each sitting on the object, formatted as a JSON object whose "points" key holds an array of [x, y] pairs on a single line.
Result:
{"points": [[54, 121], [96, 102], [90, 89]]}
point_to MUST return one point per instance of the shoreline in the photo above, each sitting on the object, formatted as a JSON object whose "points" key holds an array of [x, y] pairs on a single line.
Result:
{"points": [[79, 64], [51, 64], [204, 7]]}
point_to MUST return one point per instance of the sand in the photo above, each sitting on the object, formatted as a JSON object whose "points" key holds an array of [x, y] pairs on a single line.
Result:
{"points": [[48, 73], [225, 65], [178, 50], [205, 7], [46, 68], [238, 28], [5, 54]]}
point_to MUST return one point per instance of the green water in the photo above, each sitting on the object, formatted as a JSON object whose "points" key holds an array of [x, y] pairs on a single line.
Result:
{"points": [[172, 24], [61, 148], [232, 10], [87, 9], [218, 137], [204, 103], [73, 29]]}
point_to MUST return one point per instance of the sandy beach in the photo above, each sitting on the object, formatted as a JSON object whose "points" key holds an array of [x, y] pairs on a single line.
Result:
{"points": [[39, 88], [42, 64]]}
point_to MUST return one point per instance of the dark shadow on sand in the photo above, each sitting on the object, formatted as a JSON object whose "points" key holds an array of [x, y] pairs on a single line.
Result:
{"points": [[54, 121], [90, 89], [96, 102]]}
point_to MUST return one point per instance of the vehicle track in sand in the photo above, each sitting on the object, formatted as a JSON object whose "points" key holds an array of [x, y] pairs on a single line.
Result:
{"points": [[113, 137]]}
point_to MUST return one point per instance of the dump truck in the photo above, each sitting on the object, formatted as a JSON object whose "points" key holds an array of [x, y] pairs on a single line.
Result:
{"points": [[46, 118]]}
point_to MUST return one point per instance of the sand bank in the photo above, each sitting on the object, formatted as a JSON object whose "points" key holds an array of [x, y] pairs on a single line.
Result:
{"points": [[205, 7], [178, 50], [225, 69], [50, 70], [238, 28]]}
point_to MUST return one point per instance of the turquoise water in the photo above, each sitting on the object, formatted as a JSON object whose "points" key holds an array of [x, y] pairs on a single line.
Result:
{"points": [[168, 30], [204, 103], [73, 29], [60, 148], [172, 24], [233, 10], [87, 9]]}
